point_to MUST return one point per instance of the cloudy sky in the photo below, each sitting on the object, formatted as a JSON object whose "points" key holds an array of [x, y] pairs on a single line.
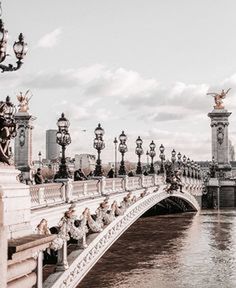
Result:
{"points": [[143, 66]]}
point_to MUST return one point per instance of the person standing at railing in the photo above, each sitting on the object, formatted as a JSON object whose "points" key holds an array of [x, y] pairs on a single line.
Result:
{"points": [[79, 175], [38, 178], [111, 173]]}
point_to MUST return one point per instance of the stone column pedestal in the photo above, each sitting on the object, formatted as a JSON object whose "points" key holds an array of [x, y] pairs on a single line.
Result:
{"points": [[220, 141], [15, 205]]}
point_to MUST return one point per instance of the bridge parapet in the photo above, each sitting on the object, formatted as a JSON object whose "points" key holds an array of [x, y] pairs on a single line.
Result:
{"points": [[51, 194]]}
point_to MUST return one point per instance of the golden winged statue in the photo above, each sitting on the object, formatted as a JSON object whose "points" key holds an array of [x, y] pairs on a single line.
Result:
{"points": [[24, 101], [218, 98]]}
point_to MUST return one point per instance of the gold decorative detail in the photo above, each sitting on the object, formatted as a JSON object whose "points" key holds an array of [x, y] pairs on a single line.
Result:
{"points": [[218, 98]]}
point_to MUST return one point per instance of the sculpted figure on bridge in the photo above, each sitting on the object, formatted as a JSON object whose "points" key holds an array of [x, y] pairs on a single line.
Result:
{"points": [[219, 98], [173, 178], [24, 101], [71, 224], [7, 129]]}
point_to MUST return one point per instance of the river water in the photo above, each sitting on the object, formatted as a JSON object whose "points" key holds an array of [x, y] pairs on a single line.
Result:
{"points": [[171, 251]]}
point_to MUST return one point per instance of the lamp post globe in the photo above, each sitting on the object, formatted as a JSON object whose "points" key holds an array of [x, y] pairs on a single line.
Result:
{"points": [[139, 152], [63, 139], [122, 149], [99, 145]]}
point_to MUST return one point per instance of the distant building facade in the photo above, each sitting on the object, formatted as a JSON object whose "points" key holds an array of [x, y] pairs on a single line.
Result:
{"points": [[52, 148], [85, 161]]}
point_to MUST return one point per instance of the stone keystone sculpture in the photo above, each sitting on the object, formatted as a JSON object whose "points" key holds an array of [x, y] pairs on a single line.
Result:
{"points": [[218, 98], [7, 129], [24, 101]]}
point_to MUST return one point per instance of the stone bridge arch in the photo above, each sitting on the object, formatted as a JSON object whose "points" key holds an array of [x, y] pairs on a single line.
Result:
{"points": [[81, 261]]}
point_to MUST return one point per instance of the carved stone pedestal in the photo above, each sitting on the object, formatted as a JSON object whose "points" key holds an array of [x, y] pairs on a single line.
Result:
{"points": [[15, 204], [220, 141]]}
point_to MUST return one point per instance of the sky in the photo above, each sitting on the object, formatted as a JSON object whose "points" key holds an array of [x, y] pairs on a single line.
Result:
{"points": [[134, 65]]}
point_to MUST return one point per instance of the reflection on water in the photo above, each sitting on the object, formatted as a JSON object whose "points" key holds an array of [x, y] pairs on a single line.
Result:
{"points": [[171, 251]]}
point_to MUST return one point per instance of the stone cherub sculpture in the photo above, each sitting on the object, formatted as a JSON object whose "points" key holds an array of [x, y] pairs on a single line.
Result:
{"points": [[24, 101], [218, 98]]}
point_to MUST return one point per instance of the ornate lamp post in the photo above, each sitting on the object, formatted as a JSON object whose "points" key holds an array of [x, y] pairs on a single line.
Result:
{"points": [[184, 165], [115, 142], [63, 139], [152, 154], [173, 158], [139, 152], [99, 145], [189, 167], [193, 169], [20, 48], [162, 157], [8, 129], [40, 159], [179, 160], [147, 154], [122, 149], [196, 170]]}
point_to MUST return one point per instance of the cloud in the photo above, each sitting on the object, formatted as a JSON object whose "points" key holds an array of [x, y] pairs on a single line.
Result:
{"points": [[51, 39]]}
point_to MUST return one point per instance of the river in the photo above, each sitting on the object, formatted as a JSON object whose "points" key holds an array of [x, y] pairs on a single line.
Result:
{"points": [[171, 251]]}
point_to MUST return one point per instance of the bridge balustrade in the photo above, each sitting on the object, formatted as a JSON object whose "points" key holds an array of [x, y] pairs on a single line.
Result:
{"points": [[148, 181], [134, 183], [113, 185], [47, 194]]}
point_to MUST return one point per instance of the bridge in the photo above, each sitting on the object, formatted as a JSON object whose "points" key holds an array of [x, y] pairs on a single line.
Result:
{"points": [[50, 201]]}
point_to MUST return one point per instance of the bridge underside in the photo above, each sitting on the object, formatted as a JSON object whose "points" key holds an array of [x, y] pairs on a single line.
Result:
{"points": [[170, 205]]}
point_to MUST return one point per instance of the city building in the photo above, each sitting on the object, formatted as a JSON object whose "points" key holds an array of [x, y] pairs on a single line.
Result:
{"points": [[52, 148], [85, 162]]}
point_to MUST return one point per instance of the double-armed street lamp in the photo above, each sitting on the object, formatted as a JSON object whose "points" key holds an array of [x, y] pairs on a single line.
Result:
{"points": [[139, 152], [63, 139], [122, 149], [152, 154], [99, 145], [162, 157], [20, 48]]}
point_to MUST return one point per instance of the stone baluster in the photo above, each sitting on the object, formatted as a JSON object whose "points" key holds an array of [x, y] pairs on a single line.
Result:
{"points": [[40, 270], [41, 196], [125, 183], [155, 179], [142, 181], [62, 263], [85, 188], [67, 188], [113, 185], [103, 185]]}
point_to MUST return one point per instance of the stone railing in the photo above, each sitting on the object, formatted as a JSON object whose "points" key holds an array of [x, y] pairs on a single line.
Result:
{"points": [[47, 194], [56, 193]]}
